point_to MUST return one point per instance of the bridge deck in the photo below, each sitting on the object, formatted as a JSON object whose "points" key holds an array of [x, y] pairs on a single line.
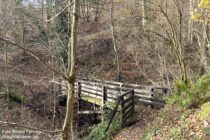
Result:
{"points": [[97, 101]]}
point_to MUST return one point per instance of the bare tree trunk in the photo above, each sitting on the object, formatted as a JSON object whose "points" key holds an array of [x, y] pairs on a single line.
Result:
{"points": [[6, 80], [6, 71], [71, 72], [142, 2], [203, 48], [116, 49], [43, 14], [190, 22], [54, 96]]}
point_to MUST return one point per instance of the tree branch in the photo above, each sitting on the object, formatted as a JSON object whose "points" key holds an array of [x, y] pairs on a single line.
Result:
{"points": [[64, 9], [32, 128], [34, 55]]}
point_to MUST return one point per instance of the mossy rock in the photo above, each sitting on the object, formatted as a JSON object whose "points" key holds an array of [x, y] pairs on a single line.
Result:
{"points": [[15, 96], [18, 97], [204, 113]]}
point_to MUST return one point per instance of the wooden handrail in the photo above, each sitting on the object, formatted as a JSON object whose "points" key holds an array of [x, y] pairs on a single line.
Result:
{"points": [[127, 93]]}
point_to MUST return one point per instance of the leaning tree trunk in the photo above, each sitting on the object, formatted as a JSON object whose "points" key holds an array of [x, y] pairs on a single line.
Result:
{"points": [[71, 72]]}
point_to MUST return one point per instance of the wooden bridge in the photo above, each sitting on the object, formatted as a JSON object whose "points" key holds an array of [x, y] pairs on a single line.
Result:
{"points": [[117, 96]]}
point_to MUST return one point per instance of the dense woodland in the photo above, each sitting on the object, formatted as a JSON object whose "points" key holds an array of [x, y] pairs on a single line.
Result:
{"points": [[48, 43]]}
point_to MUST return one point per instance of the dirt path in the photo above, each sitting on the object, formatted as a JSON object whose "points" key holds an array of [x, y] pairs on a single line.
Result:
{"points": [[141, 119]]}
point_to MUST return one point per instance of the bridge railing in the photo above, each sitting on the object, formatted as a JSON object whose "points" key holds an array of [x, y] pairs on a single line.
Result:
{"points": [[146, 95], [95, 89], [127, 105]]}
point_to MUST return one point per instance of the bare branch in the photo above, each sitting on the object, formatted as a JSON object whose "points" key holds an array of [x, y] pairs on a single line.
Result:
{"points": [[35, 56], [32, 128], [64, 9]]}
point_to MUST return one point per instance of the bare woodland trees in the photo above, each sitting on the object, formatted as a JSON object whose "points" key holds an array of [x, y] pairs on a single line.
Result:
{"points": [[190, 21], [143, 7], [71, 71], [169, 24], [91, 9], [201, 16], [116, 48], [174, 35]]}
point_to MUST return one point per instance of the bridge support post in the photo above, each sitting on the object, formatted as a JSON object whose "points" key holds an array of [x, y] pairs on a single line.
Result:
{"points": [[133, 100], [152, 96], [104, 99], [122, 110], [78, 102]]}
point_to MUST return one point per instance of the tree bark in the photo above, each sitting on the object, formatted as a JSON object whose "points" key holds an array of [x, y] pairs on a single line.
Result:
{"points": [[71, 72], [190, 22], [142, 2], [116, 49]]}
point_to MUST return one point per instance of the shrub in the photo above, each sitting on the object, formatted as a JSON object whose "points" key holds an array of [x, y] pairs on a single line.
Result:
{"points": [[193, 95], [204, 114], [98, 132]]}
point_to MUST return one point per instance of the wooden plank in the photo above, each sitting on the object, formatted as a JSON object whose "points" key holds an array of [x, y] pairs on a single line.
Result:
{"points": [[137, 86], [90, 112], [130, 109], [143, 96], [127, 93], [95, 99], [91, 87], [115, 97], [91, 92], [98, 93], [111, 91], [128, 99], [155, 99], [149, 102], [128, 115], [126, 107], [140, 91]]}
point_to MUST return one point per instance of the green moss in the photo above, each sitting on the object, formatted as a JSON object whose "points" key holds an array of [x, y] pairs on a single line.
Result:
{"points": [[204, 114], [16, 96], [2, 90]]}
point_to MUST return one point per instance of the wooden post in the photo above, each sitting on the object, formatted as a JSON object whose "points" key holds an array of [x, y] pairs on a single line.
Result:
{"points": [[104, 99], [152, 96], [133, 99], [78, 101], [122, 110], [60, 87], [121, 86]]}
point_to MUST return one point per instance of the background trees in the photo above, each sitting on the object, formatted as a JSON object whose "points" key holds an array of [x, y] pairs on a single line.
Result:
{"points": [[154, 43]]}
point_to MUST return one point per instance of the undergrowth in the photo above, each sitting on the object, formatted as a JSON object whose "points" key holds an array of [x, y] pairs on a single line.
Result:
{"points": [[98, 131], [14, 95], [186, 115], [192, 95]]}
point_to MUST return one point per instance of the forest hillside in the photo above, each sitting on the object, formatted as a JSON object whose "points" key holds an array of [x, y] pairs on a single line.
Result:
{"points": [[154, 54]]}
